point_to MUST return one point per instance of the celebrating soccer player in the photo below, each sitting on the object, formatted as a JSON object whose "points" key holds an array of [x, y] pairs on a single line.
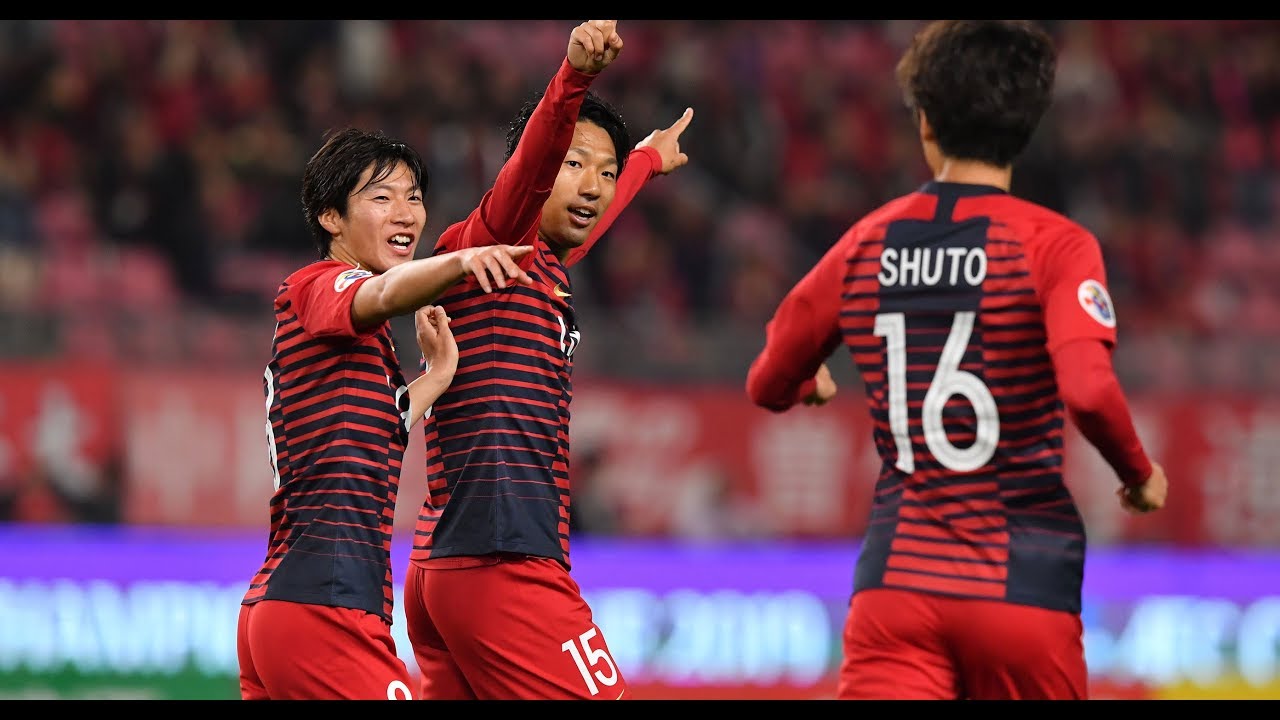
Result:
{"points": [[316, 620], [973, 318], [492, 610]]}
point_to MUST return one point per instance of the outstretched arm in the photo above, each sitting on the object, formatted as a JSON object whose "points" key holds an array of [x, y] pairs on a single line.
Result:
{"points": [[657, 154], [407, 287]]}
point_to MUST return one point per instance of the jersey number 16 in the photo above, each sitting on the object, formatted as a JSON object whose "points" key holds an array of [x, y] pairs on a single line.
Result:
{"points": [[948, 380]]}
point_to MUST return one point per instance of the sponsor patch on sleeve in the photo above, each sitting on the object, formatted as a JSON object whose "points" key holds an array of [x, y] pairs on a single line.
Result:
{"points": [[347, 277], [1095, 301]]}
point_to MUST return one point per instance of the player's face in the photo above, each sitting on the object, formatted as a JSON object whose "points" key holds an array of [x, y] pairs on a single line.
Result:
{"points": [[583, 190], [383, 222]]}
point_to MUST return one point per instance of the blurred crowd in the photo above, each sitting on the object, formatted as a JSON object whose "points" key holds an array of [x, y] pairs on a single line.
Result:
{"points": [[149, 176]]}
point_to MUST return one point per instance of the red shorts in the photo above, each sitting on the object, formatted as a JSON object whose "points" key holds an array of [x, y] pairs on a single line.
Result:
{"points": [[905, 645], [295, 651], [505, 627]]}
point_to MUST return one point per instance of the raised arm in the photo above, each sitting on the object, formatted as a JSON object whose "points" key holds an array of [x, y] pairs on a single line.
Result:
{"points": [[510, 209]]}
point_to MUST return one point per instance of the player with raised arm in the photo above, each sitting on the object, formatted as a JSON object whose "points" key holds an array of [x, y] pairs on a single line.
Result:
{"points": [[973, 317], [492, 609], [315, 622]]}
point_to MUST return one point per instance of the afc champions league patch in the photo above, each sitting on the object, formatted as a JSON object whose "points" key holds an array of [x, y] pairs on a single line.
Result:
{"points": [[1095, 301], [346, 277]]}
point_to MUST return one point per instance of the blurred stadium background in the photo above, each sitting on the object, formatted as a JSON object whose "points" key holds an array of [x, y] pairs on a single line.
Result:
{"points": [[149, 177]]}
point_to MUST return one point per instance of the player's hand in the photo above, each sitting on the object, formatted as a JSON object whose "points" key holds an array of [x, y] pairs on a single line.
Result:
{"points": [[1148, 496], [825, 389], [593, 45], [667, 143], [495, 265], [435, 340]]}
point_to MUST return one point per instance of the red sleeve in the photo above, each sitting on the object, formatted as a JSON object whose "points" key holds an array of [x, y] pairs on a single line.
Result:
{"points": [[1071, 282], [642, 164], [802, 334], [321, 295], [1098, 407], [509, 211]]}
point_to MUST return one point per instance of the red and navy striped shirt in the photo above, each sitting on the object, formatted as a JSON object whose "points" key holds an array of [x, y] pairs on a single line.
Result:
{"points": [[497, 441], [337, 408], [951, 301]]}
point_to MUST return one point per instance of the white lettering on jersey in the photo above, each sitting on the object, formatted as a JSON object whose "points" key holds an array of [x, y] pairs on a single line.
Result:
{"points": [[932, 266]]}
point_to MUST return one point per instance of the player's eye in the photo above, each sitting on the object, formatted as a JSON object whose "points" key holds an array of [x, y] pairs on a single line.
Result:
{"points": [[573, 163]]}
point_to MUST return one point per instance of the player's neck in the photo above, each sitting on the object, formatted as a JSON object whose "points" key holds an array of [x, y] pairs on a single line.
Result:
{"points": [[342, 254], [561, 251], [974, 173]]}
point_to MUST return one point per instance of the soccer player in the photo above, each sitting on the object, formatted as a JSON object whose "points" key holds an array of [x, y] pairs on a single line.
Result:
{"points": [[492, 610], [315, 622], [973, 317]]}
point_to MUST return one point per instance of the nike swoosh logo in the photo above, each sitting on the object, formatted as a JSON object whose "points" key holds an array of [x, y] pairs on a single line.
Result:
{"points": [[559, 291]]}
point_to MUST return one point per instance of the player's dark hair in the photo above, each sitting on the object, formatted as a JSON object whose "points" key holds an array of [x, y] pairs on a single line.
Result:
{"points": [[330, 177], [983, 85], [594, 110]]}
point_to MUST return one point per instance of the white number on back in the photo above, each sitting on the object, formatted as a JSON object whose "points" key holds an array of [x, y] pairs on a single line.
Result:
{"points": [[948, 380]]}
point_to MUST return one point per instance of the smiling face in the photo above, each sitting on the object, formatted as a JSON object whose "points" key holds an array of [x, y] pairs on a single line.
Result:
{"points": [[583, 189], [383, 222]]}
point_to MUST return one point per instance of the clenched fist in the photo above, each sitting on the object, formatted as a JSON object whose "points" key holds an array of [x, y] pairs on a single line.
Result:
{"points": [[435, 340], [1149, 496], [593, 45], [824, 389]]}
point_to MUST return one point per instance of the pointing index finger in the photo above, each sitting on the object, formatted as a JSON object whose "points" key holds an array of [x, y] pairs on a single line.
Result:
{"points": [[683, 121]]}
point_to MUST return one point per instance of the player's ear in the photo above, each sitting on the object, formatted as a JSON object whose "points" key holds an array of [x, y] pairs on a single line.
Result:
{"points": [[926, 130], [329, 220]]}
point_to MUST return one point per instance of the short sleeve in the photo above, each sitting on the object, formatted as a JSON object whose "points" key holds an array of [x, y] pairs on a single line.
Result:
{"points": [[322, 300]]}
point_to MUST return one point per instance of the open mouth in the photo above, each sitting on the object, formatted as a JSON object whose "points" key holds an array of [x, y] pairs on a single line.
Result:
{"points": [[582, 216], [401, 244]]}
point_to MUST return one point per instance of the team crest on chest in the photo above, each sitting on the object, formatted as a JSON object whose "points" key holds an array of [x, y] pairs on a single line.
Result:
{"points": [[1095, 301]]}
